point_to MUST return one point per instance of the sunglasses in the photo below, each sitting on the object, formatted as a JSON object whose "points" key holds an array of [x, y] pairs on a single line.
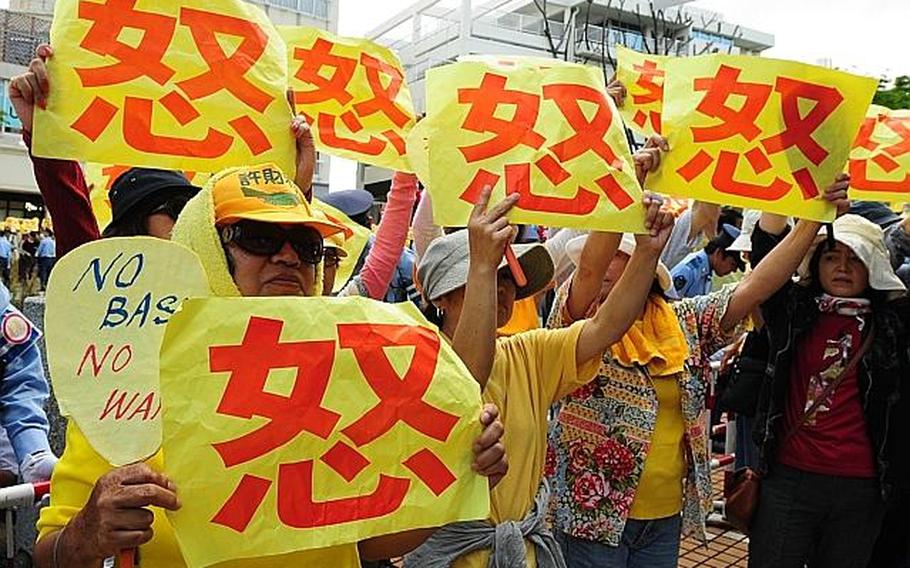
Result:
{"points": [[267, 239]]}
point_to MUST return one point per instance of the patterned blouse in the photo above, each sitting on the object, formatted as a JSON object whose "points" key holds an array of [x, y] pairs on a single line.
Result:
{"points": [[600, 435]]}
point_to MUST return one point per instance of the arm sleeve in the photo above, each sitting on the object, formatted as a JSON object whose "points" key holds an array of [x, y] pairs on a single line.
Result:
{"points": [[66, 194], [425, 230], [551, 357], [391, 236], [23, 393], [762, 245]]}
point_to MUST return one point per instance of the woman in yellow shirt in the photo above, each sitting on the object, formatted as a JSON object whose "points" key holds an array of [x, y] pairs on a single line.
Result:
{"points": [[464, 276]]}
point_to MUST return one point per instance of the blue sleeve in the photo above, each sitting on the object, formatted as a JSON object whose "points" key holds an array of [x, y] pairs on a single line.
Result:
{"points": [[683, 280], [23, 390]]}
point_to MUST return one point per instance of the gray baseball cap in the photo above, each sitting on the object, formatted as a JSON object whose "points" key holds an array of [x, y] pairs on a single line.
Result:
{"points": [[444, 266]]}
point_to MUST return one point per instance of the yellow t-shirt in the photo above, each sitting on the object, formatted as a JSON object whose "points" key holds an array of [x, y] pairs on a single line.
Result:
{"points": [[660, 488], [530, 371], [524, 318], [72, 483]]}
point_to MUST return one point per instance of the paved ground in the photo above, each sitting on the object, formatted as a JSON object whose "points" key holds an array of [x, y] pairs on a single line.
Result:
{"points": [[725, 548]]}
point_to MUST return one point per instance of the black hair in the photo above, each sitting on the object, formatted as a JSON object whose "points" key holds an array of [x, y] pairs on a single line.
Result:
{"points": [[717, 243], [877, 297], [362, 219], [729, 216], [133, 226]]}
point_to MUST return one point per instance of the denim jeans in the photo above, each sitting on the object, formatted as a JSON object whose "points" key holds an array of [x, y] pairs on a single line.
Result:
{"points": [[644, 544], [819, 521]]}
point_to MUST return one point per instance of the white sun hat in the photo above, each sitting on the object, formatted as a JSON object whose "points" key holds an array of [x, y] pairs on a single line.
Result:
{"points": [[867, 241]]}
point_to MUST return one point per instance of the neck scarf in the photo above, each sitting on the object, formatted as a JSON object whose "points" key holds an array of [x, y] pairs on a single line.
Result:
{"points": [[654, 341], [852, 307]]}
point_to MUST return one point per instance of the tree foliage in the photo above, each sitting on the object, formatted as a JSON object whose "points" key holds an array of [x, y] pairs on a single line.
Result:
{"points": [[897, 97]]}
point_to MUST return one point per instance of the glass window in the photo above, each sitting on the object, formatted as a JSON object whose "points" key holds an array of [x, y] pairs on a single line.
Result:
{"points": [[322, 9]]}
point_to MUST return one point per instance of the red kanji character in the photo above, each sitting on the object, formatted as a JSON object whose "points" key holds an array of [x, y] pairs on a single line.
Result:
{"points": [[383, 97], [144, 60], [485, 101], [327, 130], [225, 72], [884, 157], [654, 92], [799, 127], [714, 104], [400, 398], [589, 134], [244, 397], [334, 88]]}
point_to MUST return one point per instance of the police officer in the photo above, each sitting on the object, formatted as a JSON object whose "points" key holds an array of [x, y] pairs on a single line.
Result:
{"points": [[692, 276]]}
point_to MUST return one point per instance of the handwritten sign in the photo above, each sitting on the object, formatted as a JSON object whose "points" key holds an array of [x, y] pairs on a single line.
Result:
{"points": [[193, 85], [354, 239], [313, 422], [107, 304], [880, 159], [643, 76], [758, 133], [354, 95], [552, 135]]}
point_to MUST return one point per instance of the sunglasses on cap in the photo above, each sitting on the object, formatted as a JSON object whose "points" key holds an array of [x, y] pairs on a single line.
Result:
{"points": [[267, 239]]}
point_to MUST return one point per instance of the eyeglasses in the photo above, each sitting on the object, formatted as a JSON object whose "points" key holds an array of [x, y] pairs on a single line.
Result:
{"points": [[331, 257], [172, 207], [267, 239]]}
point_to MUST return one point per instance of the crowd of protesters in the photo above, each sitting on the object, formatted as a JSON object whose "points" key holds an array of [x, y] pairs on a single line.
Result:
{"points": [[596, 369]]}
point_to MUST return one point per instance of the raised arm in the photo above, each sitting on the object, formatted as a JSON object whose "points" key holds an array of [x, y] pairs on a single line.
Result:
{"points": [[777, 268], [391, 236], [627, 299], [425, 230], [475, 336], [61, 182]]}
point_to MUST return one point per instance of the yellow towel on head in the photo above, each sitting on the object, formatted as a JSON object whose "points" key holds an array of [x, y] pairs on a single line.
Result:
{"points": [[654, 341], [195, 229]]}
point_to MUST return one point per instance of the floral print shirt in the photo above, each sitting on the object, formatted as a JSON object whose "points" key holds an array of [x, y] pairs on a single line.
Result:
{"points": [[600, 435]]}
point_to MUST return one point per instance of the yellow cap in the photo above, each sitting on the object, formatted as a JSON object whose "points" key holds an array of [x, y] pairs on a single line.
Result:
{"points": [[263, 193]]}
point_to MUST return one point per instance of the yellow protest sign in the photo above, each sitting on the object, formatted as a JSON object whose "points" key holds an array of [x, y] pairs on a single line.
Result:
{"points": [[193, 85], [107, 303], [419, 151], [552, 135], [354, 239], [880, 159], [313, 422], [758, 133], [643, 76], [353, 93], [100, 178]]}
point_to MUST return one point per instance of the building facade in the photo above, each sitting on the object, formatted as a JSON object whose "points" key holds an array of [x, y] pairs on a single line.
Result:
{"points": [[434, 32]]}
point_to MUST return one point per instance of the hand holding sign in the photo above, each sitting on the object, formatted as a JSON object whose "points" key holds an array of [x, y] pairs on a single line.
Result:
{"points": [[107, 303]]}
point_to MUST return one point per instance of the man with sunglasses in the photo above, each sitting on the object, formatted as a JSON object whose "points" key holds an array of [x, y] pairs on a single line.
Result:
{"points": [[255, 235]]}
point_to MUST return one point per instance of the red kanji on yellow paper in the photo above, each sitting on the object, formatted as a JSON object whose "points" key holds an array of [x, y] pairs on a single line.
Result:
{"points": [[315, 429], [195, 85], [764, 134], [550, 134], [643, 76], [880, 160], [353, 93]]}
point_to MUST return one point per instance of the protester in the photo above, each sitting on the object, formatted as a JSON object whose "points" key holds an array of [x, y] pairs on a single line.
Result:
{"points": [[385, 268], [6, 257], [47, 256], [28, 247], [692, 276], [465, 277], [23, 392], [248, 247], [833, 421]]}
